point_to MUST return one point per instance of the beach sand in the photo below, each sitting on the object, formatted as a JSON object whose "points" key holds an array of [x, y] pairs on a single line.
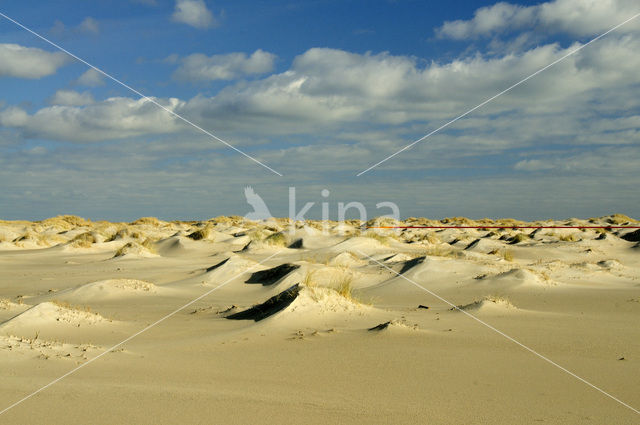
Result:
{"points": [[319, 323]]}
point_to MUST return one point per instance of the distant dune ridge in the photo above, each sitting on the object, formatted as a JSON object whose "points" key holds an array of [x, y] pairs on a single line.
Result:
{"points": [[343, 308]]}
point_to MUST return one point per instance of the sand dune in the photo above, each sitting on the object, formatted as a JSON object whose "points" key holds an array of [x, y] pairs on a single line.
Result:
{"points": [[324, 318], [110, 289], [51, 314], [490, 304]]}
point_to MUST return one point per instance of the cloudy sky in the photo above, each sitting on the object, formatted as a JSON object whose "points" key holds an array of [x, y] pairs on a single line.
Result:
{"points": [[319, 91]]}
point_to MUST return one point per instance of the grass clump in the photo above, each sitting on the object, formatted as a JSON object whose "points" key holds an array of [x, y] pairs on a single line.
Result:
{"points": [[308, 280], [443, 251], [343, 286], [520, 237], [504, 253], [619, 219], [149, 244], [257, 234], [84, 240], [5, 304], [276, 239], [569, 238], [135, 247], [124, 249], [383, 239], [200, 234], [150, 221], [66, 305], [123, 233], [430, 237]]}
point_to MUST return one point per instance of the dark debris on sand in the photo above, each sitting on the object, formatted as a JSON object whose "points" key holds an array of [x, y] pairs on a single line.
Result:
{"points": [[269, 307]]}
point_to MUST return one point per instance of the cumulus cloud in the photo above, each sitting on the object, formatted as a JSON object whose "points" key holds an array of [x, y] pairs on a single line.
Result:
{"points": [[71, 98], [194, 13], [329, 91], [113, 118], [576, 17], [13, 117], [199, 67], [90, 78], [29, 62], [329, 86], [89, 25]]}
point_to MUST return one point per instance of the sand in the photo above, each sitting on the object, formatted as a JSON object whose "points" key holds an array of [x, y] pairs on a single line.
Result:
{"points": [[303, 325]]}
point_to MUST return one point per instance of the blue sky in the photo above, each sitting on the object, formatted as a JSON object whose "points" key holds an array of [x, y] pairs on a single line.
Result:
{"points": [[320, 91]]}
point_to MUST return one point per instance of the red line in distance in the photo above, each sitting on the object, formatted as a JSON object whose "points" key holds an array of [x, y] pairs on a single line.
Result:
{"points": [[503, 227]]}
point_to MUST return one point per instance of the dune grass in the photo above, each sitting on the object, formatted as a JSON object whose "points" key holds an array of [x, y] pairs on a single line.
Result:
{"points": [[147, 244], [149, 221], [520, 237], [383, 239], [572, 237], [201, 234], [66, 305], [343, 285], [504, 253], [276, 239], [308, 280], [84, 240]]}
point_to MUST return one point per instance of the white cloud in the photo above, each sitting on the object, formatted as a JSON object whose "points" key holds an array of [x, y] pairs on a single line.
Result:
{"points": [[576, 17], [113, 118], [13, 117], [533, 165], [90, 78], [71, 98], [199, 67], [489, 20], [194, 13], [58, 29], [89, 25], [29, 62], [327, 91], [607, 160]]}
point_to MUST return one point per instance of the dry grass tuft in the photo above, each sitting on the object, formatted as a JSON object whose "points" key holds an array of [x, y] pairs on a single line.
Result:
{"points": [[149, 244], [276, 239], [520, 237], [68, 306], [308, 280], [257, 234], [124, 249], [572, 237], [200, 234], [619, 219], [150, 221], [442, 250], [84, 240], [66, 222], [383, 239], [504, 253], [342, 285], [431, 237], [125, 232]]}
